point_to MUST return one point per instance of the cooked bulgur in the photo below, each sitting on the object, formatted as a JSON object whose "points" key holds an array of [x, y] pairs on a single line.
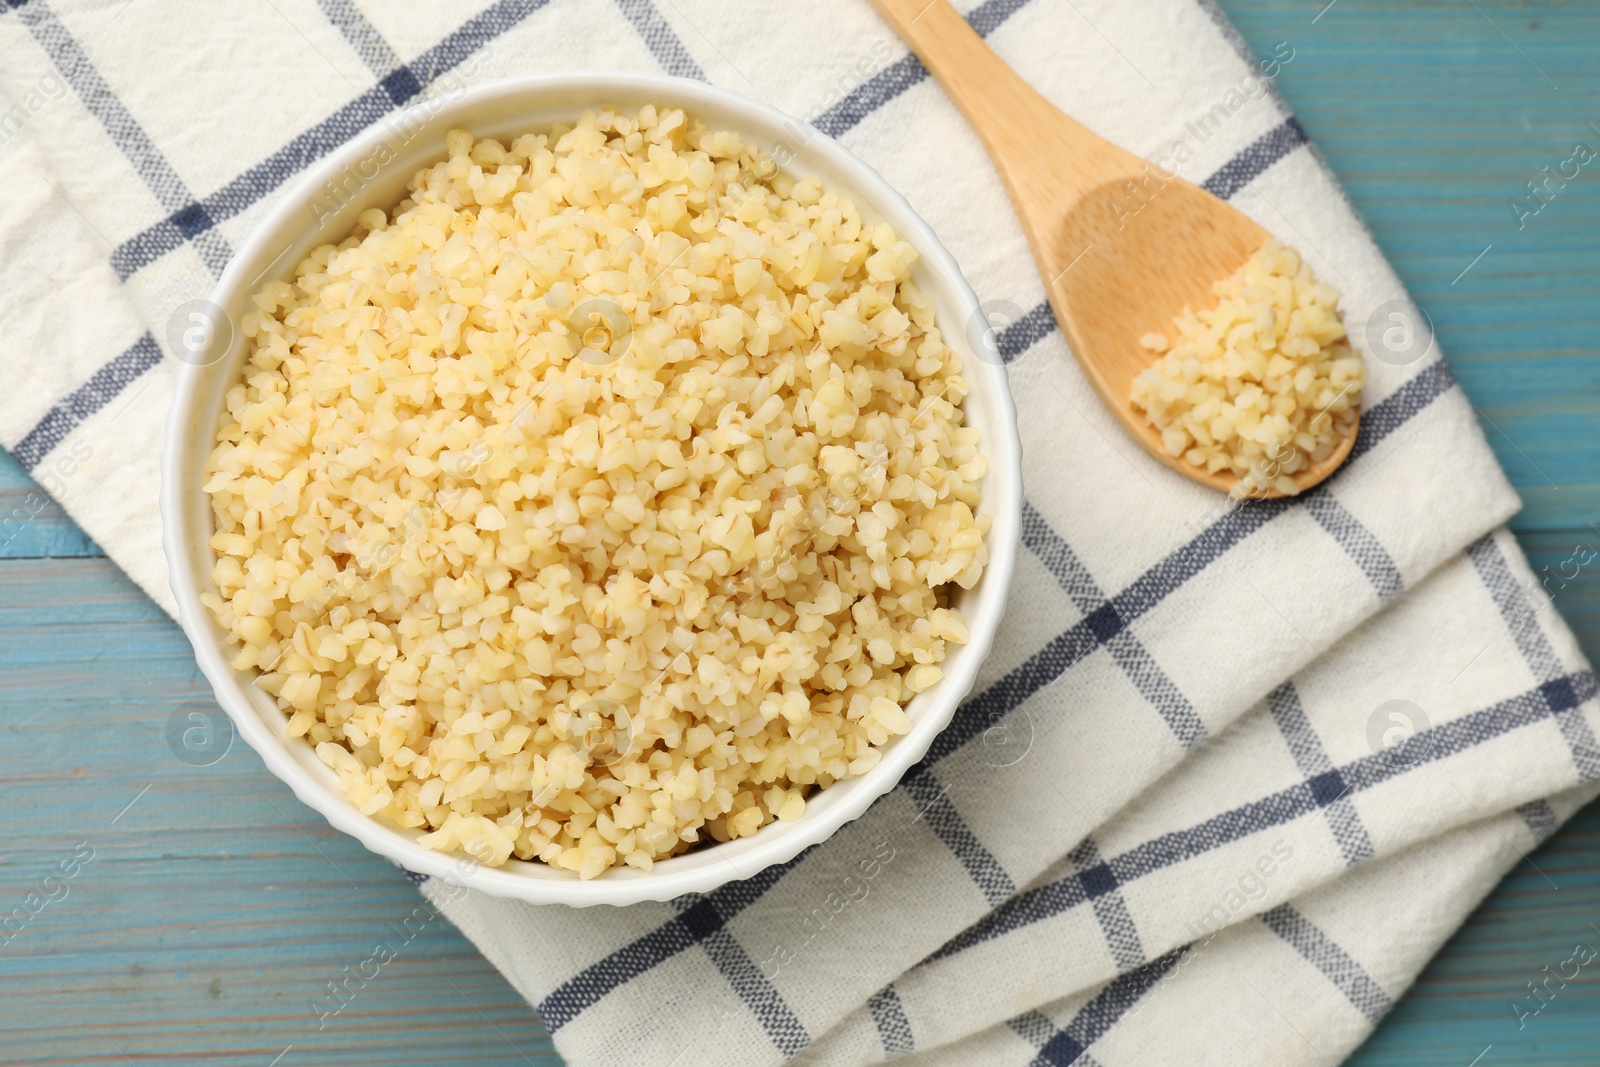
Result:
{"points": [[603, 498], [1263, 385]]}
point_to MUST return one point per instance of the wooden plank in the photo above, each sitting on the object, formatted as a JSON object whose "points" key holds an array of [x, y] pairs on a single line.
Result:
{"points": [[1462, 1005], [215, 908], [33, 526]]}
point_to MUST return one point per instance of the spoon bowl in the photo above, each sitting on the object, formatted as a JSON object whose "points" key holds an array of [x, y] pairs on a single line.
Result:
{"points": [[1123, 275]]}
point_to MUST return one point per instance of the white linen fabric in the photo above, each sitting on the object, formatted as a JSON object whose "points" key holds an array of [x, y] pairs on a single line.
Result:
{"points": [[1232, 772]]}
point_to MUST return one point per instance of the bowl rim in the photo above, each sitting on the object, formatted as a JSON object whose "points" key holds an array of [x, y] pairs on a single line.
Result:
{"points": [[747, 856]]}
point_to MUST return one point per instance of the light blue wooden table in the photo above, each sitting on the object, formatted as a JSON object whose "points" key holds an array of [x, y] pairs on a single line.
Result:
{"points": [[215, 908]]}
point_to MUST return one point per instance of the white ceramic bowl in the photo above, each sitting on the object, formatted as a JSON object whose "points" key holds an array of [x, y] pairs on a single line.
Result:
{"points": [[371, 170]]}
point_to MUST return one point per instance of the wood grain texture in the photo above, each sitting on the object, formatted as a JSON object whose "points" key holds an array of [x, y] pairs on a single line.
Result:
{"points": [[32, 525], [217, 908]]}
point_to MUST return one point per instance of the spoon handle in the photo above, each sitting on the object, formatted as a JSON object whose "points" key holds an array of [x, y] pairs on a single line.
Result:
{"points": [[1011, 118]]}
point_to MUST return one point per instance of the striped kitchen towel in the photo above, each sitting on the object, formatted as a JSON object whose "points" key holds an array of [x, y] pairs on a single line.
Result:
{"points": [[1232, 772]]}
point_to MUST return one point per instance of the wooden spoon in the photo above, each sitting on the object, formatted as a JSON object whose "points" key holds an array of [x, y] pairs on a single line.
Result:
{"points": [[1114, 272]]}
